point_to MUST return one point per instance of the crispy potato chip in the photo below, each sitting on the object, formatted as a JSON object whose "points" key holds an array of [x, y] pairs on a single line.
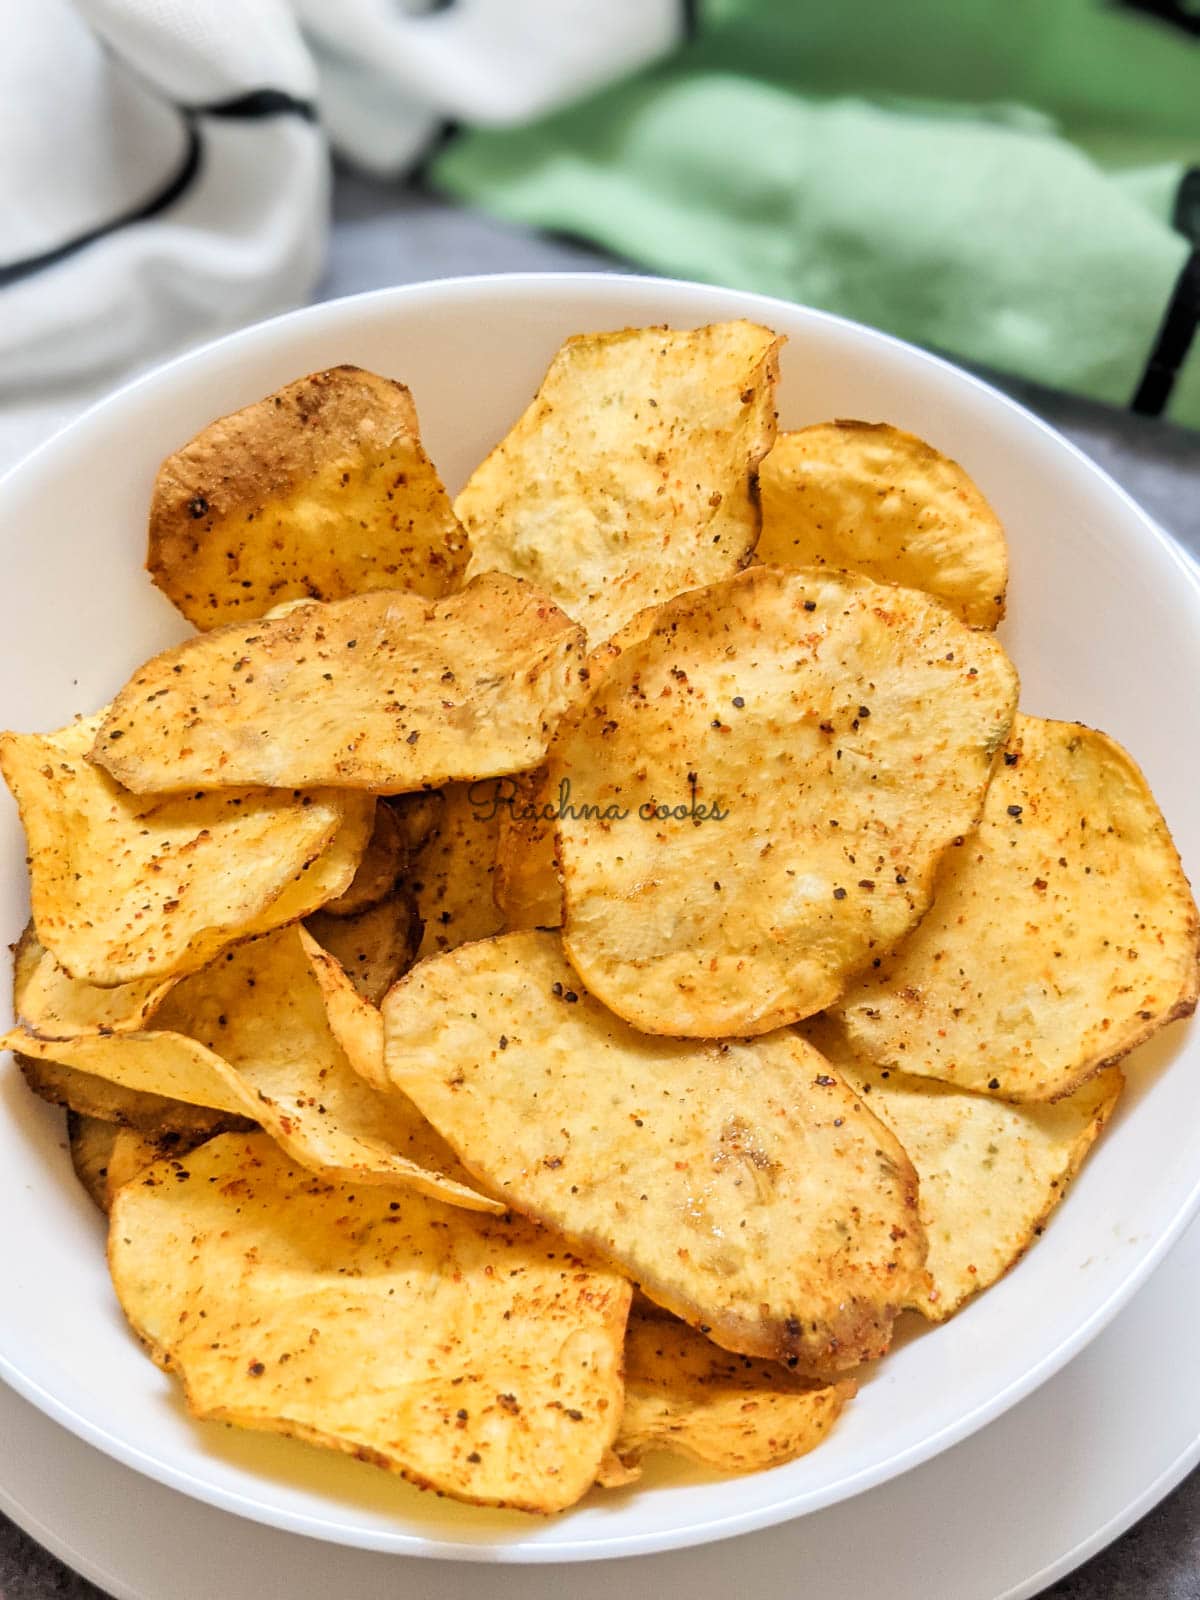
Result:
{"points": [[106, 1156], [100, 1098], [631, 476], [384, 691], [250, 1035], [126, 889], [453, 876], [871, 498], [321, 490], [416, 816], [990, 1173], [741, 1184], [526, 887], [355, 1021], [50, 1003], [376, 947], [761, 790], [90, 1143], [378, 870], [1064, 932], [685, 1395], [468, 1354]]}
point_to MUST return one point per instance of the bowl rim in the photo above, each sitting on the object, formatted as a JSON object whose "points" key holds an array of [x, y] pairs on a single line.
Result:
{"points": [[773, 1509]]}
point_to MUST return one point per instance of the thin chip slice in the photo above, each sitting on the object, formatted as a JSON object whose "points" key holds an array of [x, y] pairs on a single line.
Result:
{"points": [[1064, 932], [631, 476], [106, 1101], [870, 498], [354, 1020], [453, 875], [385, 691], [322, 490], [378, 870], [376, 947], [685, 1395], [90, 1143], [760, 792], [51, 1003], [526, 889], [250, 1035], [742, 1185], [990, 1173], [126, 889], [471, 1355], [416, 816]]}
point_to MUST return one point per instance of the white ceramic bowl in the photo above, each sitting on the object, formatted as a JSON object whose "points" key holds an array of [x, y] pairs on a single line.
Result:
{"points": [[1105, 628]]}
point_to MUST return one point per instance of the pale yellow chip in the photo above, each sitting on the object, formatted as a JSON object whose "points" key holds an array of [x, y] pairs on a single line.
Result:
{"points": [[355, 1021], [385, 691], [127, 888], [378, 870], [760, 792], [741, 1184], [250, 1035], [685, 1395], [990, 1173], [1063, 934], [321, 490], [51, 1003], [453, 875], [472, 1355], [631, 476], [100, 1098], [870, 498], [527, 888]]}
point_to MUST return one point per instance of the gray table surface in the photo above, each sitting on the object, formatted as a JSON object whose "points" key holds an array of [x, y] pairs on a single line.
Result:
{"points": [[385, 234]]}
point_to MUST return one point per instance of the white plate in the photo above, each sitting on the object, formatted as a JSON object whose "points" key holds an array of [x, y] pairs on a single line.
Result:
{"points": [[1106, 628], [997, 1518]]}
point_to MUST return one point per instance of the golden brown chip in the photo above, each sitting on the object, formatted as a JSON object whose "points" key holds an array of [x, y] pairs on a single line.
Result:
{"points": [[760, 792], [631, 476], [354, 1020], [685, 1395], [990, 1173], [416, 816], [386, 691], [453, 875], [126, 889], [741, 1184], [250, 1035], [469, 1354], [90, 1143], [871, 498], [378, 870], [322, 489], [1063, 934], [100, 1098], [527, 890], [376, 947]]}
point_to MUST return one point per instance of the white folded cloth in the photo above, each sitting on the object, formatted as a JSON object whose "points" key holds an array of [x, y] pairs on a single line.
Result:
{"points": [[164, 164]]}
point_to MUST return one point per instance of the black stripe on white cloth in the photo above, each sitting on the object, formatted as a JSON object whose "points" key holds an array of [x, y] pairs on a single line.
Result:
{"points": [[256, 104], [1182, 316]]}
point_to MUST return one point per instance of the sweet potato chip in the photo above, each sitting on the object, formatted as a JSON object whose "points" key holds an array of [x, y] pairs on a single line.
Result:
{"points": [[760, 793], [127, 888], [376, 947], [378, 870], [385, 691], [871, 498], [685, 1395], [631, 476], [741, 1184], [1063, 934], [990, 1173], [453, 875], [471, 1355], [322, 489], [250, 1035]]}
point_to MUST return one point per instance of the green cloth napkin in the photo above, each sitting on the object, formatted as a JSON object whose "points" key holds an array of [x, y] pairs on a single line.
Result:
{"points": [[1004, 180]]}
